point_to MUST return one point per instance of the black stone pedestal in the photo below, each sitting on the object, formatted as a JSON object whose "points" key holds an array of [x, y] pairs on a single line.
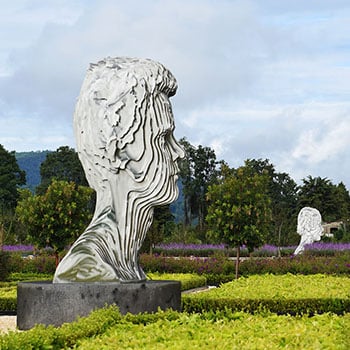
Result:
{"points": [[54, 304]]}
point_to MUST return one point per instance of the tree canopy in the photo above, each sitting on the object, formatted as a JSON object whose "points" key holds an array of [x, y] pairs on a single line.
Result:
{"points": [[239, 209], [11, 178], [56, 218], [333, 201], [63, 164], [197, 171], [282, 190]]}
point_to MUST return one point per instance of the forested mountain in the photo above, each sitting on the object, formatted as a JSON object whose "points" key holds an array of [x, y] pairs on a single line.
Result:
{"points": [[30, 162]]}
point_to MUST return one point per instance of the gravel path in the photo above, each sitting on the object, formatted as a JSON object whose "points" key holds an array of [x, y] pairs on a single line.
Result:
{"points": [[7, 323]]}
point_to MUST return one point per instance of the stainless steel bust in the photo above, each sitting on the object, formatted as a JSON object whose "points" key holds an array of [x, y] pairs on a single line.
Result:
{"points": [[123, 125], [309, 227]]}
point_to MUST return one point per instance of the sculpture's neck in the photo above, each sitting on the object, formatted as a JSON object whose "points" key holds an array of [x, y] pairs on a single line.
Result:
{"points": [[128, 216]]}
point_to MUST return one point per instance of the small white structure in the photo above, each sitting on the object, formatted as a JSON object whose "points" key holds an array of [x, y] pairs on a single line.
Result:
{"points": [[309, 227], [327, 227]]}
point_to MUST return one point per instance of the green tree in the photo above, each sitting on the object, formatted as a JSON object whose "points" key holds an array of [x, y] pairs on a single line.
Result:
{"points": [[283, 195], [11, 178], [63, 164], [282, 190], [239, 209], [343, 202], [319, 193], [197, 171], [56, 218]]}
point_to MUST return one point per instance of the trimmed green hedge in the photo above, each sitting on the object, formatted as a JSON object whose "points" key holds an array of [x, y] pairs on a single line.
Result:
{"points": [[108, 329], [227, 331], [41, 337], [281, 307], [38, 264], [285, 294], [188, 280], [212, 267]]}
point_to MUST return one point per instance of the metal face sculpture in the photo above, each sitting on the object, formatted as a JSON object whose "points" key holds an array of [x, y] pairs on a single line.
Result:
{"points": [[309, 227], [123, 126]]}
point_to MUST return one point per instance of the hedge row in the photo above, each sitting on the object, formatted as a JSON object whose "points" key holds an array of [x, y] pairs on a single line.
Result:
{"points": [[231, 252], [287, 294], [229, 331], [220, 269], [107, 329], [188, 280], [280, 307], [216, 268], [41, 337]]}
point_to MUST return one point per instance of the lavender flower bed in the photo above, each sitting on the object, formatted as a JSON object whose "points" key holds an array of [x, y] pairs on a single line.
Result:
{"points": [[18, 248], [191, 246], [183, 249], [328, 246]]}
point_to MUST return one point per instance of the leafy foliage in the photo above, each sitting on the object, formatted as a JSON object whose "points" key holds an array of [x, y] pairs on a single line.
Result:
{"points": [[42, 264], [107, 329], [284, 294], [332, 201], [63, 164], [4, 265], [58, 217], [41, 337], [219, 269], [11, 177], [282, 191], [188, 280], [239, 211], [197, 172]]}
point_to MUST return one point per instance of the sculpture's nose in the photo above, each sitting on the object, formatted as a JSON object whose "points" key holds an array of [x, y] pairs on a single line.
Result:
{"points": [[177, 150]]}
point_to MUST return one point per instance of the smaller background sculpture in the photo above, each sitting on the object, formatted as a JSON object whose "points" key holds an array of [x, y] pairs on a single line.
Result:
{"points": [[309, 227]]}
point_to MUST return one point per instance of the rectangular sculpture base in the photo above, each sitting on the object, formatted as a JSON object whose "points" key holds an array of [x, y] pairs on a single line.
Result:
{"points": [[54, 304]]}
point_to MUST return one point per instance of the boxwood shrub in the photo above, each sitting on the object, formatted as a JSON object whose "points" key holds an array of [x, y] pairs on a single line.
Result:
{"points": [[285, 294], [107, 329]]}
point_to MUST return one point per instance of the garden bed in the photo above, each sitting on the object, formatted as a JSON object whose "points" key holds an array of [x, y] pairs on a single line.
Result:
{"points": [[108, 329], [284, 294]]}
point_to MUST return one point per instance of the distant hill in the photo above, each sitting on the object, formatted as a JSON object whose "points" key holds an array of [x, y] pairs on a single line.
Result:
{"points": [[30, 162]]}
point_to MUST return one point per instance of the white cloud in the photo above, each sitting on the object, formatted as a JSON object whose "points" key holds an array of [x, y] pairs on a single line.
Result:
{"points": [[321, 146], [256, 79]]}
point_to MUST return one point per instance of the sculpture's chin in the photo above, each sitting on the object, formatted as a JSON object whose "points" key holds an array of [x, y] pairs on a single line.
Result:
{"points": [[172, 193]]}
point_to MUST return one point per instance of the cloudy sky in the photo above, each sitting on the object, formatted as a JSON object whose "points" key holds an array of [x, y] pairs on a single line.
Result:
{"points": [[257, 78]]}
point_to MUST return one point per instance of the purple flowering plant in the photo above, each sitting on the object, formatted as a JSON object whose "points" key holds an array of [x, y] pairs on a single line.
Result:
{"points": [[18, 248]]}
